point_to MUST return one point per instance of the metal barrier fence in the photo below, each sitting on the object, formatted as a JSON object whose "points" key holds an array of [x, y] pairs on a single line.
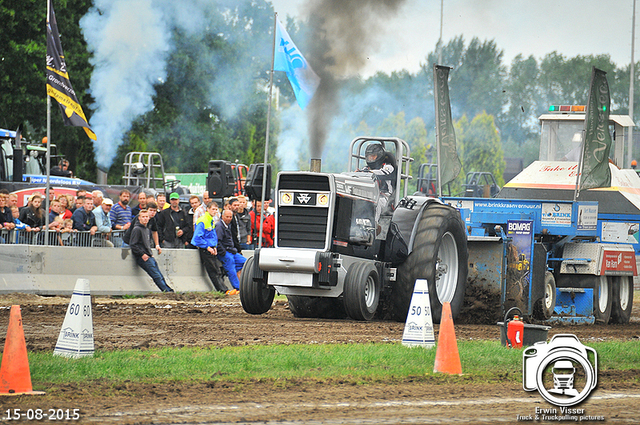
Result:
{"points": [[58, 238], [72, 238]]}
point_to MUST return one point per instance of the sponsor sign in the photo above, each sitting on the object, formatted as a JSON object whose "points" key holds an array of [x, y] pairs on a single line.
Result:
{"points": [[618, 261], [25, 194], [556, 214], [196, 182], [619, 232], [519, 257], [587, 217], [54, 180]]}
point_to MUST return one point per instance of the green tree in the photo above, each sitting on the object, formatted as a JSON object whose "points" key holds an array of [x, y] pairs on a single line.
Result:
{"points": [[566, 81], [477, 76], [481, 149], [523, 101]]}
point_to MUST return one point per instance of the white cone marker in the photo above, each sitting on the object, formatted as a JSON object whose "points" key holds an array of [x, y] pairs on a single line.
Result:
{"points": [[418, 329], [76, 336]]}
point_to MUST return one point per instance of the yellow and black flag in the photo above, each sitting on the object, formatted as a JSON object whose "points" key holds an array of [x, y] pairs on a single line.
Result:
{"points": [[58, 84]]}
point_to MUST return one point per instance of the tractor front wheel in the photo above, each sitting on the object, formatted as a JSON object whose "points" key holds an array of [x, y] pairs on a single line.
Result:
{"points": [[256, 296]]}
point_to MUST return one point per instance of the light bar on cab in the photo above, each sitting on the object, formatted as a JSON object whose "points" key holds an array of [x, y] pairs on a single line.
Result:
{"points": [[566, 108]]}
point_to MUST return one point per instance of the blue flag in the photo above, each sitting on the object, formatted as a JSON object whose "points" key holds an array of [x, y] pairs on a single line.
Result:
{"points": [[288, 58]]}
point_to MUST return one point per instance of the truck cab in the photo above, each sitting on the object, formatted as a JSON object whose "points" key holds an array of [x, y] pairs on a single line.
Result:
{"points": [[561, 135]]}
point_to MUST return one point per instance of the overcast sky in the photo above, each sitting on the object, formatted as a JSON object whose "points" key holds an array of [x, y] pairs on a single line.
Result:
{"points": [[527, 27]]}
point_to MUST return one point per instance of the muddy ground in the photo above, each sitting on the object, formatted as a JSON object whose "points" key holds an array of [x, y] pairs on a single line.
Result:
{"points": [[177, 320]]}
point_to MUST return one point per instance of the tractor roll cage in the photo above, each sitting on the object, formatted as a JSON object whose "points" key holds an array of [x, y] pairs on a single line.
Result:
{"points": [[396, 146]]}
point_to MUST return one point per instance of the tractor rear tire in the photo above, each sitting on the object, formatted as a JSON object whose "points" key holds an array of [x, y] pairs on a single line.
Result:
{"points": [[602, 299], [544, 307], [362, 291], [440, 256], [256, 297], [316, 307], [622, 302]]}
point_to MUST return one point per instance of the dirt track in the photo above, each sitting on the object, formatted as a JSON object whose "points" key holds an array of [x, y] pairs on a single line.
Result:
{"points": [[201, 320]]}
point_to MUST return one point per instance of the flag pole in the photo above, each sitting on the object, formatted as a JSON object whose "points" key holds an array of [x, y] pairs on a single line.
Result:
{"points": [[266, 144], [437, 108], [48, 186], [576, 192]]}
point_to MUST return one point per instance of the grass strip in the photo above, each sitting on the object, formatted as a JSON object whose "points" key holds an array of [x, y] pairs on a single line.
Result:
{"points": [[482, 359]]}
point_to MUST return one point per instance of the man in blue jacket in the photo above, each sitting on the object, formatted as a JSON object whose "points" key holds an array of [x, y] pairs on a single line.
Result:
{"points": [[206, 239]]}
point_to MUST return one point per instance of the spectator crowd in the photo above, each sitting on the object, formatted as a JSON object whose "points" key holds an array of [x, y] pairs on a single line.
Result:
{"points": [[220, 233]]}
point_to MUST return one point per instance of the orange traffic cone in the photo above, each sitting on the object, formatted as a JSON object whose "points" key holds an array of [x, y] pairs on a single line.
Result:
{"points": [[447, 356], [15, 378]]}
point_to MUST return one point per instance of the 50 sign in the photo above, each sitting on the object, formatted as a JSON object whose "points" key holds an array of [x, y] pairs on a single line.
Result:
{"points": [[417, 310], [418, 329]]}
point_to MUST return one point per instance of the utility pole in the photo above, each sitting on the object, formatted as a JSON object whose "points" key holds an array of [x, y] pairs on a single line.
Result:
{"points": [[441, 24], [631, 84]]}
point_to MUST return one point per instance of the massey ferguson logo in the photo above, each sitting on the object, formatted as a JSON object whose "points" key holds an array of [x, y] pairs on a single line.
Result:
{"points": [[303, 198]]}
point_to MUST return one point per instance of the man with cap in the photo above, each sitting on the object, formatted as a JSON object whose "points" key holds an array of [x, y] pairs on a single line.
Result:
{"points": [[62, 169], [173, 225], [103, 222]]}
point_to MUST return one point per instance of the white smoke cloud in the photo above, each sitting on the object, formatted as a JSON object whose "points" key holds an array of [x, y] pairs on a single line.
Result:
{"points": [[129, 56], [293, 135]]}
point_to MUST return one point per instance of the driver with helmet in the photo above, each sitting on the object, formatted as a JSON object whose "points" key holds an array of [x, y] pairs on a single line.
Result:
{"points": [[380, 163]]}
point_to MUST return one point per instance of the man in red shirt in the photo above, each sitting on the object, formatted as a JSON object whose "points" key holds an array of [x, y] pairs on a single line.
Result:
{"points": [[268, 228]]}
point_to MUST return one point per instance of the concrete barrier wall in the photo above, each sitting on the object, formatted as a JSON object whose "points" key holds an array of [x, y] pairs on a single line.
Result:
{"points": [[48, 270]]}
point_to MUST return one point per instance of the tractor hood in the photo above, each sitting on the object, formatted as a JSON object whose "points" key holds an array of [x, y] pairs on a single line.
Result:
{"points": [[556, 180]]}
